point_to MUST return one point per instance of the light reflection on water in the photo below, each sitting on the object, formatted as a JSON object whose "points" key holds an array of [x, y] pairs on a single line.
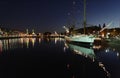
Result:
{"points": [[84, 51], [9, 44], [87, 52], [107, 57]]}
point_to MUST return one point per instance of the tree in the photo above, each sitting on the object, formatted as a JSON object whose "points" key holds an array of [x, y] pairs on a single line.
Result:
{"points": [[104, 25], [99, 26]]}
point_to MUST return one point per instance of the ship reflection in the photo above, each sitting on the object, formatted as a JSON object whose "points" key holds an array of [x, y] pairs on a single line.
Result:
{"points": [[88, 52]]}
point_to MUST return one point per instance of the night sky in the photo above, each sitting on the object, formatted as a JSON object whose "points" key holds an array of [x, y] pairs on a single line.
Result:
{"points": [[52, 15]]}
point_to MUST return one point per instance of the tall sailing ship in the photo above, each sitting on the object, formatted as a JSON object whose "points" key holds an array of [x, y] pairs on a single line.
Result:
{"points": [[82, 38]]}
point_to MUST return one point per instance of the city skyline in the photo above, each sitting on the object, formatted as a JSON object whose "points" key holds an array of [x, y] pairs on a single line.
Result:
{"points": [[52, 15]]}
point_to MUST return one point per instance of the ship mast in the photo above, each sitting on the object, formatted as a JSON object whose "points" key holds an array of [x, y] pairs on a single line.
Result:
{"points": [[84, 17]]}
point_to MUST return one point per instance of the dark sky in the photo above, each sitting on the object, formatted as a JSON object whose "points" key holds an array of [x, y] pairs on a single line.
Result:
{"points": [[52, 15]]}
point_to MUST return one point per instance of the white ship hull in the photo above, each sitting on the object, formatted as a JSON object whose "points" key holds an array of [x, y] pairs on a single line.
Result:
{"points": [[86, 39], [83, 39]]}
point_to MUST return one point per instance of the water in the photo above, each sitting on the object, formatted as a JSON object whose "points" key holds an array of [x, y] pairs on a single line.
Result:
{"points": [[54, 58]]}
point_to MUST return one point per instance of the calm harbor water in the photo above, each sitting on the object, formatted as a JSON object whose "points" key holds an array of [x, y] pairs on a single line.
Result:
{"points": [[54, 58]]}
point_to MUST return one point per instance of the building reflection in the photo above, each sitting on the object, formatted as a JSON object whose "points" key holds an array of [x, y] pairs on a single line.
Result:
{"points": [[9, 44], [1, 46], [55, 40], [26, 42], [33, 41], [40, 40], [58, 39]]}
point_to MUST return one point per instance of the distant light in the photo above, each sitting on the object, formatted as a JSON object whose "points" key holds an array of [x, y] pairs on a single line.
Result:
{"points": [[107, 50], [114, 49], [74, 2], [108, 33], [68, 13], [68, 66], [117, 54]]}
